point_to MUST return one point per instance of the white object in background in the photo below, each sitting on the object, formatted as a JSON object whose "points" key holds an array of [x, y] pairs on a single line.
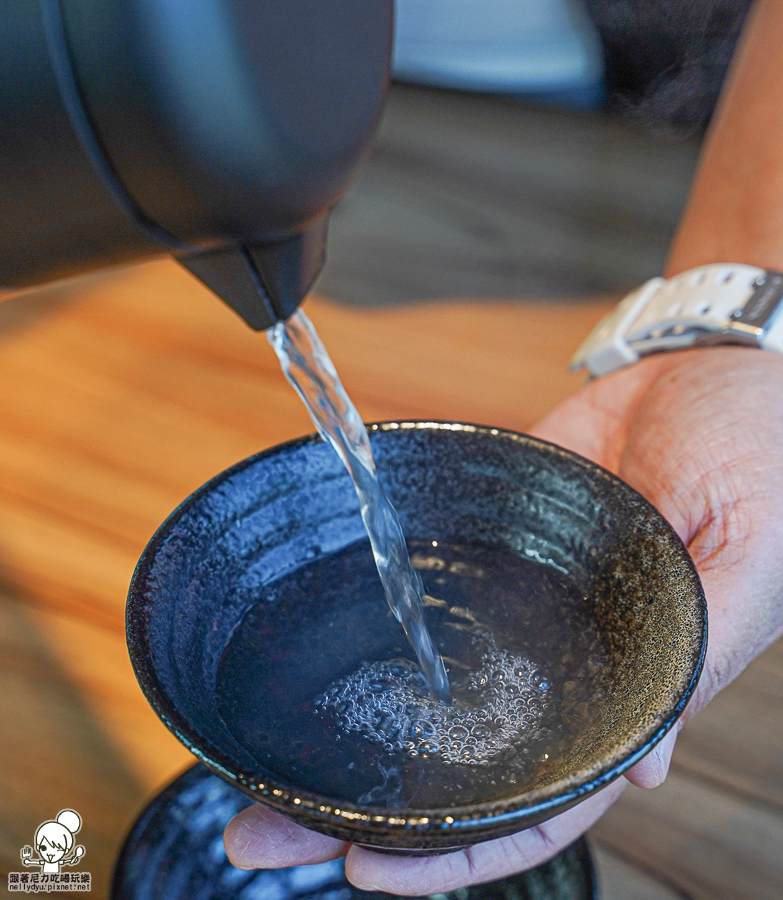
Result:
{"points": [[497, 46]]}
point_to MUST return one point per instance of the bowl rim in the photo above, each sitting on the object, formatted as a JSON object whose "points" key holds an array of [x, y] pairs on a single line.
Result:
{"points": [[325, 812]]}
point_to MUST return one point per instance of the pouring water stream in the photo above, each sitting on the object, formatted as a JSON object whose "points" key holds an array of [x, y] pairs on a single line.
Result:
{"points": [[309, 369]]}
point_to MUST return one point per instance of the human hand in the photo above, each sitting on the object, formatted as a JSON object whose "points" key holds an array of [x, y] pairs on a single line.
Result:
{"points": [[700, 434]]}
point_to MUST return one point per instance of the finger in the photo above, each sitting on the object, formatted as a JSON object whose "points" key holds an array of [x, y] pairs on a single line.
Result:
{"points": [[414, 876], [260, 838], [651, 770]]}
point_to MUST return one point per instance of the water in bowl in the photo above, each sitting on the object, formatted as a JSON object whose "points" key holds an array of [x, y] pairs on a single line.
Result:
{"points": [[320, 687]]}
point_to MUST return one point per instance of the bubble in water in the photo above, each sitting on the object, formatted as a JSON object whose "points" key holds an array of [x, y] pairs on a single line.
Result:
{"points": [[497, 706]]}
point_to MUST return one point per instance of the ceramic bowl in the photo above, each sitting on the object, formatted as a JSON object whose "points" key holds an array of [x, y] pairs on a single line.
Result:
{"points": [[175, 852], [255, 524]]}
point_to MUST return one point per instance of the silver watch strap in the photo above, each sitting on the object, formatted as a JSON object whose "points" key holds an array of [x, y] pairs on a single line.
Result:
{"points": [[716, 304]]}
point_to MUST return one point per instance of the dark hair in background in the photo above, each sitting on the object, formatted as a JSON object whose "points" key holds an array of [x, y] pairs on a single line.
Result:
{"points": [[666, 59]]}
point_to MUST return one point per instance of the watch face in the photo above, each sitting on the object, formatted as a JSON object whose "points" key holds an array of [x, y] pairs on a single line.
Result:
{"points": [[763, 302]]}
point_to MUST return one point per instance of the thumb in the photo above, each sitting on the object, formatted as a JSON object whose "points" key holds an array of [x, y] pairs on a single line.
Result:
{"points": [[651, 770]]}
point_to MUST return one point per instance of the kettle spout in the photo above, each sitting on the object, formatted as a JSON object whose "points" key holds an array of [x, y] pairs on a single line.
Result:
{"points": [[263, 282]]}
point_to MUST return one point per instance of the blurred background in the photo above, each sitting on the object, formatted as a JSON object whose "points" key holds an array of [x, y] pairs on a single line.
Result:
{"points": [[498, 170], [529, 168]]}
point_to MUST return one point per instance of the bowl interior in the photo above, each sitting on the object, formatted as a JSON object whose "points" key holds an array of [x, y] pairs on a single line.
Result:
{"points": [[629, 591]]}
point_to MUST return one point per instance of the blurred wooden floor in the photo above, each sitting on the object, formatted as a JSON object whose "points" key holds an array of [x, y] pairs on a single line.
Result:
{"points": [[124, 392]]}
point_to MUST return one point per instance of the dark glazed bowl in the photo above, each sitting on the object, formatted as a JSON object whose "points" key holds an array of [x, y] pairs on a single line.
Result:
{"points": [[175, 852], [268, 516]]}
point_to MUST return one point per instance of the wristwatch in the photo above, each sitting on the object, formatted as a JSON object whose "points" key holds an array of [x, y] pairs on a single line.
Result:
{"points": [[715, 304]]}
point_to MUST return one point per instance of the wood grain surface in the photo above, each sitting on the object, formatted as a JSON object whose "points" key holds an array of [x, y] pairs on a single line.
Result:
{"points": [[121, 393]]}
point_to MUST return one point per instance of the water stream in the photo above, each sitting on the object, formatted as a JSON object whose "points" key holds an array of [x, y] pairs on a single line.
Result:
{"points": [[309, 369]]}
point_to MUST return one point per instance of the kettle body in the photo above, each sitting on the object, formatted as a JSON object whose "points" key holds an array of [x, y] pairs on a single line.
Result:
{"points": [[220, 131]]}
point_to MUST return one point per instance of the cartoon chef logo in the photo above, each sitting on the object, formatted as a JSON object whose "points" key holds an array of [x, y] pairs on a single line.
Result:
{"points": [[55, 843]]}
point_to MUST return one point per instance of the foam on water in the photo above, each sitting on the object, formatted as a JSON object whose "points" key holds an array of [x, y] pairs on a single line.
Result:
{"points": [[494, 708]]}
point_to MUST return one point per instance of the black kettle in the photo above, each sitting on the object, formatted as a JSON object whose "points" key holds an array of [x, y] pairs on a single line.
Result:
{"points": [[219, 131]]}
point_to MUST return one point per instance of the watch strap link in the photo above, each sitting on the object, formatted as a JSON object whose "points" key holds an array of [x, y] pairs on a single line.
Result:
{"points": [[715, 304]]}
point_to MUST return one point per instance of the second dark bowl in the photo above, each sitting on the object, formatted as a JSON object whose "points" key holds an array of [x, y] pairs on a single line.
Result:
{"points": [[218, 553]]}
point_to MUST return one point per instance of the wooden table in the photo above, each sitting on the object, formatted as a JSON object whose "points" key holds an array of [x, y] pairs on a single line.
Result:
{"points": [[121, 394]]}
